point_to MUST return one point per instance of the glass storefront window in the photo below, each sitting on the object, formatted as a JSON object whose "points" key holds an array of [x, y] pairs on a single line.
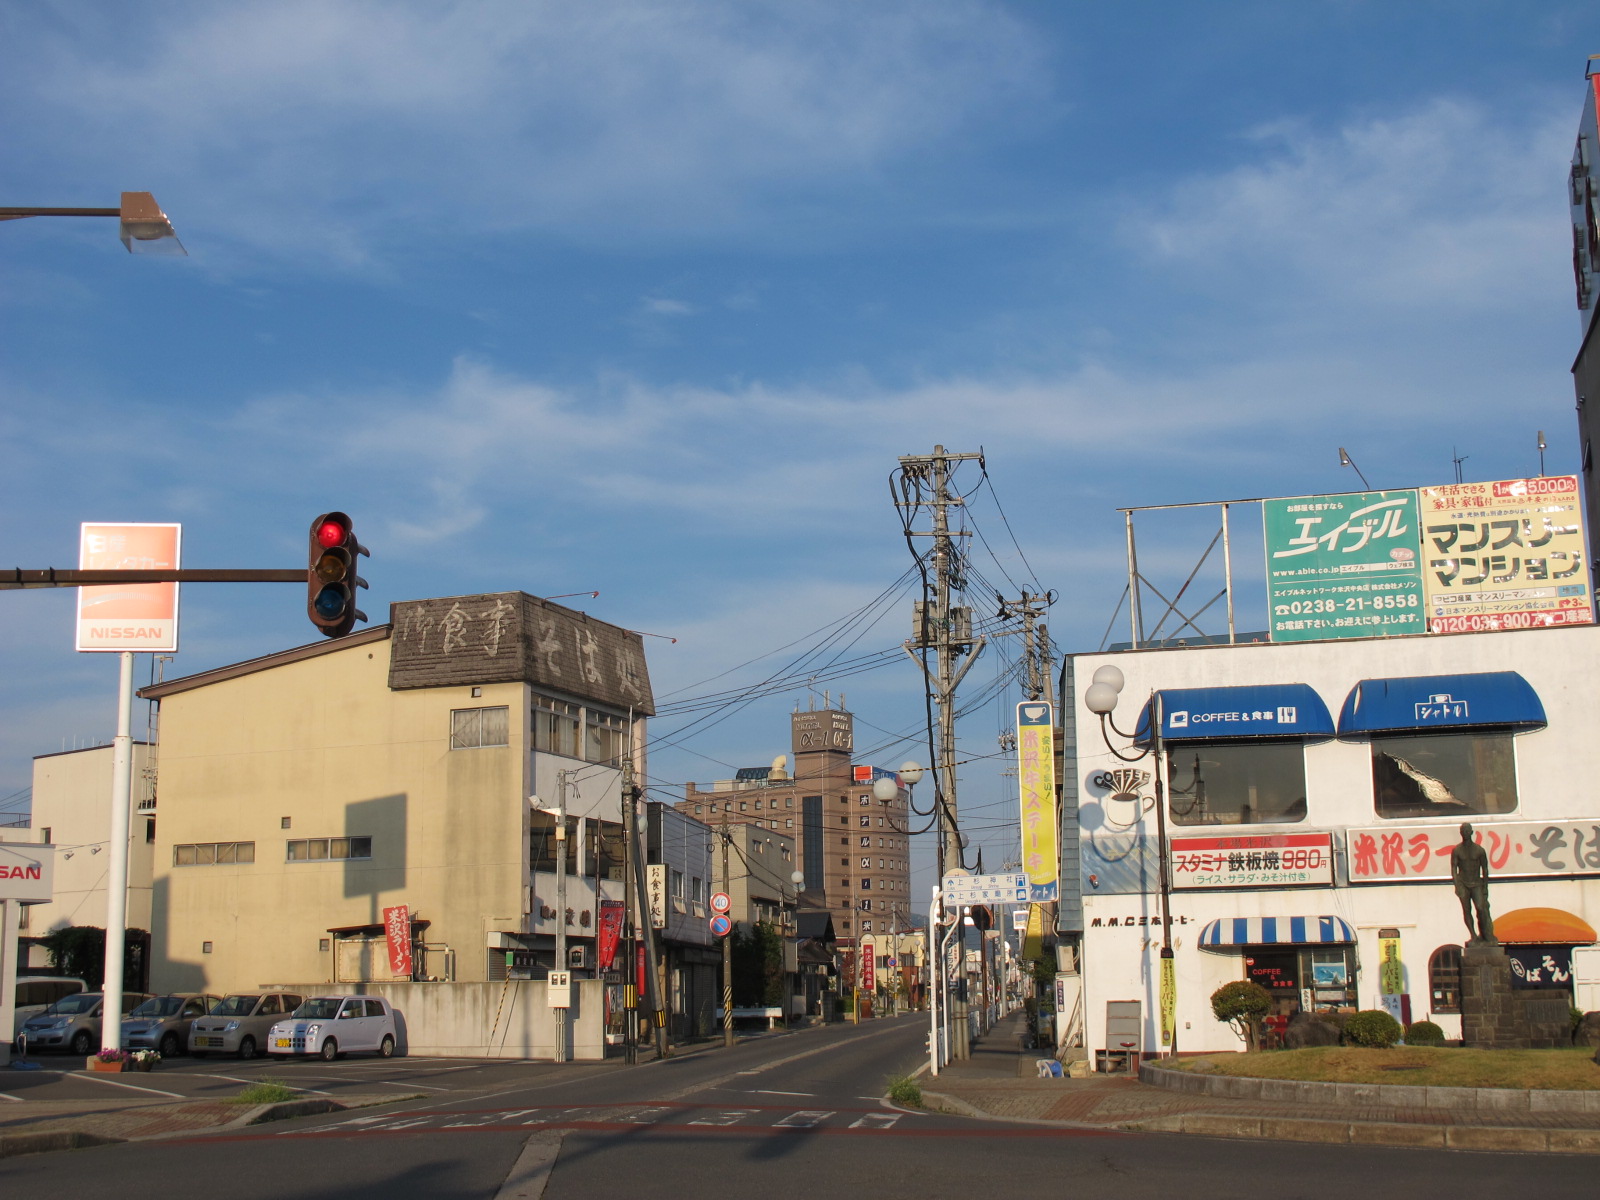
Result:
{"points": [[1257, 782], [1444, 774]]}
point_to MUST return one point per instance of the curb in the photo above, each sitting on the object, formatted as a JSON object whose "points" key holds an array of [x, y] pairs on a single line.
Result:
{"points": [[14, 1144], [1284, 1091], [943, 1102], [1438, 1137]]}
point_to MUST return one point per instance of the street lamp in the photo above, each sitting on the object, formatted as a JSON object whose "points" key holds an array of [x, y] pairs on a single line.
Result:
{"points": [[1101, 699], [142, 226]]}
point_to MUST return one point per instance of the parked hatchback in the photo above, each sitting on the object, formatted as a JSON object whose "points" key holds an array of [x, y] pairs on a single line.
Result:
{"points": [[332, 1026], [239, 1024], [73, 1022], [162, 1022], [35, 993]]}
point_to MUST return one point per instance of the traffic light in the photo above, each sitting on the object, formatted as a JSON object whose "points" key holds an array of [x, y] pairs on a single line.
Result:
{"points": [[331, 577]]}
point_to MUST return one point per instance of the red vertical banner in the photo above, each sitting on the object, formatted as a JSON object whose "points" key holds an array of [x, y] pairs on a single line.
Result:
{"points": [[641, 972], [610, 933], [397, 926]]}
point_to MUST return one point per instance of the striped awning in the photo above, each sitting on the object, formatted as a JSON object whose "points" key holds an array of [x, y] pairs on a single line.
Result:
{"points": [[1268, 931]]}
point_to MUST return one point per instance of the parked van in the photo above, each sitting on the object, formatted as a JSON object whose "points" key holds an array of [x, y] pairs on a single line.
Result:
{"points": [[332, 1026], [35, 993]]}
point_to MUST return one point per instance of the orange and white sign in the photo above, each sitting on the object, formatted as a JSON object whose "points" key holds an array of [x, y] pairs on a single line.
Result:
{"points": [[133, 616], [869, 965]]}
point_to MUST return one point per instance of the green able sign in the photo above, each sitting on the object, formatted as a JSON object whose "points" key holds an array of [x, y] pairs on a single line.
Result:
{"points": [[1344, 566]]}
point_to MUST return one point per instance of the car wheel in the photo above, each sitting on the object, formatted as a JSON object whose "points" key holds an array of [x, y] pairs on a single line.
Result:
{"points": [[247, 1047], [330, 1050], [82, 1043], [386, 1050], [169, 1046]]}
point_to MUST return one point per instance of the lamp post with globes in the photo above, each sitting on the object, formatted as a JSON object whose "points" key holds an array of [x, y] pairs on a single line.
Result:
{"points": [[1101, 699]]}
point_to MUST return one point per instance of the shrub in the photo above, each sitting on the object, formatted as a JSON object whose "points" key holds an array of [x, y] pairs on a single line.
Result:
{"points": [[905, 1090], [1424, 1033], [1372, 1027], [267, 1091], [1241, 1004]]}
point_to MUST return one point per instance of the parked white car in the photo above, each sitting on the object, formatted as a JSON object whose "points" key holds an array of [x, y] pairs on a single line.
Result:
{"points": [[333, 1026], [240, 1024]]}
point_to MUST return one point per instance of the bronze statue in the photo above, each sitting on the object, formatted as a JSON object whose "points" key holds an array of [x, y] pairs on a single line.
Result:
{"points": [[1469, 871]]}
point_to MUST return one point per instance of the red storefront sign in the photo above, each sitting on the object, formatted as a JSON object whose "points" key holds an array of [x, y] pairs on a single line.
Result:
{"points": [[397, 926]]}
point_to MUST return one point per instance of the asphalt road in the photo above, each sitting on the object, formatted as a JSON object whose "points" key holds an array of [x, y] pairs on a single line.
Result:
{"points": [[795, 1115]]}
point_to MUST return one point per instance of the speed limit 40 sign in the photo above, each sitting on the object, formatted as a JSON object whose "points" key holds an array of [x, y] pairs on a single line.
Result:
{"points": [[720, 902]]}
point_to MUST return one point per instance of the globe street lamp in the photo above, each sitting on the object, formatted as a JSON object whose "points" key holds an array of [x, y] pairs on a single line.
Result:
{"points": [[1101, 698]]}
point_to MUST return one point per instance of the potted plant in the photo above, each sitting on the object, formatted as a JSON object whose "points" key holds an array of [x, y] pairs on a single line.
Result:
{"points": [[144, 1060], [109, 1060]]}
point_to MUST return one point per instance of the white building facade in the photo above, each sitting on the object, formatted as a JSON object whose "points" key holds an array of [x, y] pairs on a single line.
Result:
{"points": [[1313, 793]]}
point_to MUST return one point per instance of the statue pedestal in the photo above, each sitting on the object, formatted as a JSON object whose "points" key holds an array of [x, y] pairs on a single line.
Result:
{"points": [[1492, 1016]]}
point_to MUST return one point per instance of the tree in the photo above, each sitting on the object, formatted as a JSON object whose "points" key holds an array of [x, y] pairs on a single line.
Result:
{"points": [[757, 966], [1242, 1004], [79, 951]]}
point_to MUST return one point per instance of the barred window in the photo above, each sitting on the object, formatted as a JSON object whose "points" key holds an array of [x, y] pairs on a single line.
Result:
{"points": [[206, 854], [474, 728], [323, 849]]}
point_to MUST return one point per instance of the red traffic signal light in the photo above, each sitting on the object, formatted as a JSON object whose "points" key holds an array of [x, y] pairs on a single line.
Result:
{"points": [[331, 577]]}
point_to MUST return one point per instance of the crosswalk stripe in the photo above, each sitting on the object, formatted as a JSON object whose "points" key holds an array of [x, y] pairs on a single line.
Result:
{"points": [[804, 1119], [725, 1118], [876, 1121]]}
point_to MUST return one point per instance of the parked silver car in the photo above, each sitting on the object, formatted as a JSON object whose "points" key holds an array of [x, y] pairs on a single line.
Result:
{"points": [[73, 1022], [332, 1026], [162, 1022], [35, 993], [239, 1024]]}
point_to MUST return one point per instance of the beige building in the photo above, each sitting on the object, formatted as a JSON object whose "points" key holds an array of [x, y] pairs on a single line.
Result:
{"points": [[308, 793], [71, 810]]}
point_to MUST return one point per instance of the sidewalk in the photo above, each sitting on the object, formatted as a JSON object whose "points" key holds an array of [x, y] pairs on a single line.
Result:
{"points": [[1001, 1081], [33, 1127]]}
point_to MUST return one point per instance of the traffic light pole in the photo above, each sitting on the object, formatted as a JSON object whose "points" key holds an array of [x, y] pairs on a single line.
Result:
{"points": [[13, 578]]}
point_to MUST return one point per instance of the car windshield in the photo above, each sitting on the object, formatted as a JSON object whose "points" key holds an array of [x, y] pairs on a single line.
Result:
{"points": [[323, 1007], [83, 1002], [159, 1006], [235, 1006]]}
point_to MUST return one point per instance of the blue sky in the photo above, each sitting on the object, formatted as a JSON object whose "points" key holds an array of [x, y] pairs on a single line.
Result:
{"points": [[647, 298]]}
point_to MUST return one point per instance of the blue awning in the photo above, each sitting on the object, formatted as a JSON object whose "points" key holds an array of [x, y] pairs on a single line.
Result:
{"points": [[1441, 702], [1253, 711], [1271, 931]]}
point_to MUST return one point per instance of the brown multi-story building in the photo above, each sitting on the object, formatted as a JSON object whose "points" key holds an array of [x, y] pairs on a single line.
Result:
{"points": [[853, 850]]}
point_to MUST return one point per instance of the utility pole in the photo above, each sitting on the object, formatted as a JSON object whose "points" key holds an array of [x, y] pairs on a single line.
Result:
{"points": [[561, 905], [1035, 640], [658, 1016], [630, 912], [945, 630], [727, 946]]}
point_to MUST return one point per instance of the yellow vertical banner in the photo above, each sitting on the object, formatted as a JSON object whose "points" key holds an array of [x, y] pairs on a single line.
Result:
{"points": [[1036, 780], [1391, 974], [1033, 937], [1169, 1000]]}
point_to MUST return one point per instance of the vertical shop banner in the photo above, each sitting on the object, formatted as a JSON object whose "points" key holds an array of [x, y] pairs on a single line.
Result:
{"points": [[1169, 1000], [128, 616], [1508, 554], [397, 928], [609, 934], [1343, 566], [1036, 778], [869, 965], [1392, 977], [656, 882]]}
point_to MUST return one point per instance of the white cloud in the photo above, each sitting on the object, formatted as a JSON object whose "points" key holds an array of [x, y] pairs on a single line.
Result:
{"points": [[314, 127], [1450, 205]]}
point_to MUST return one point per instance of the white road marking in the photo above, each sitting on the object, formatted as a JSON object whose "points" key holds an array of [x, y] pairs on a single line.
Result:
{"points": [[773, 1092], [804, 1119], [133, 1087], [876, 1121], [239, 1079], [9, 1096], [644, 1116], [725, 1118]]}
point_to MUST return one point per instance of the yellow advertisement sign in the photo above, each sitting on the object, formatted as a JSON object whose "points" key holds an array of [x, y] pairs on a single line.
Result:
{"points": [[1391, 975], [1036, 778], [1033, 939], [1169, 999], [1506, 554]]}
